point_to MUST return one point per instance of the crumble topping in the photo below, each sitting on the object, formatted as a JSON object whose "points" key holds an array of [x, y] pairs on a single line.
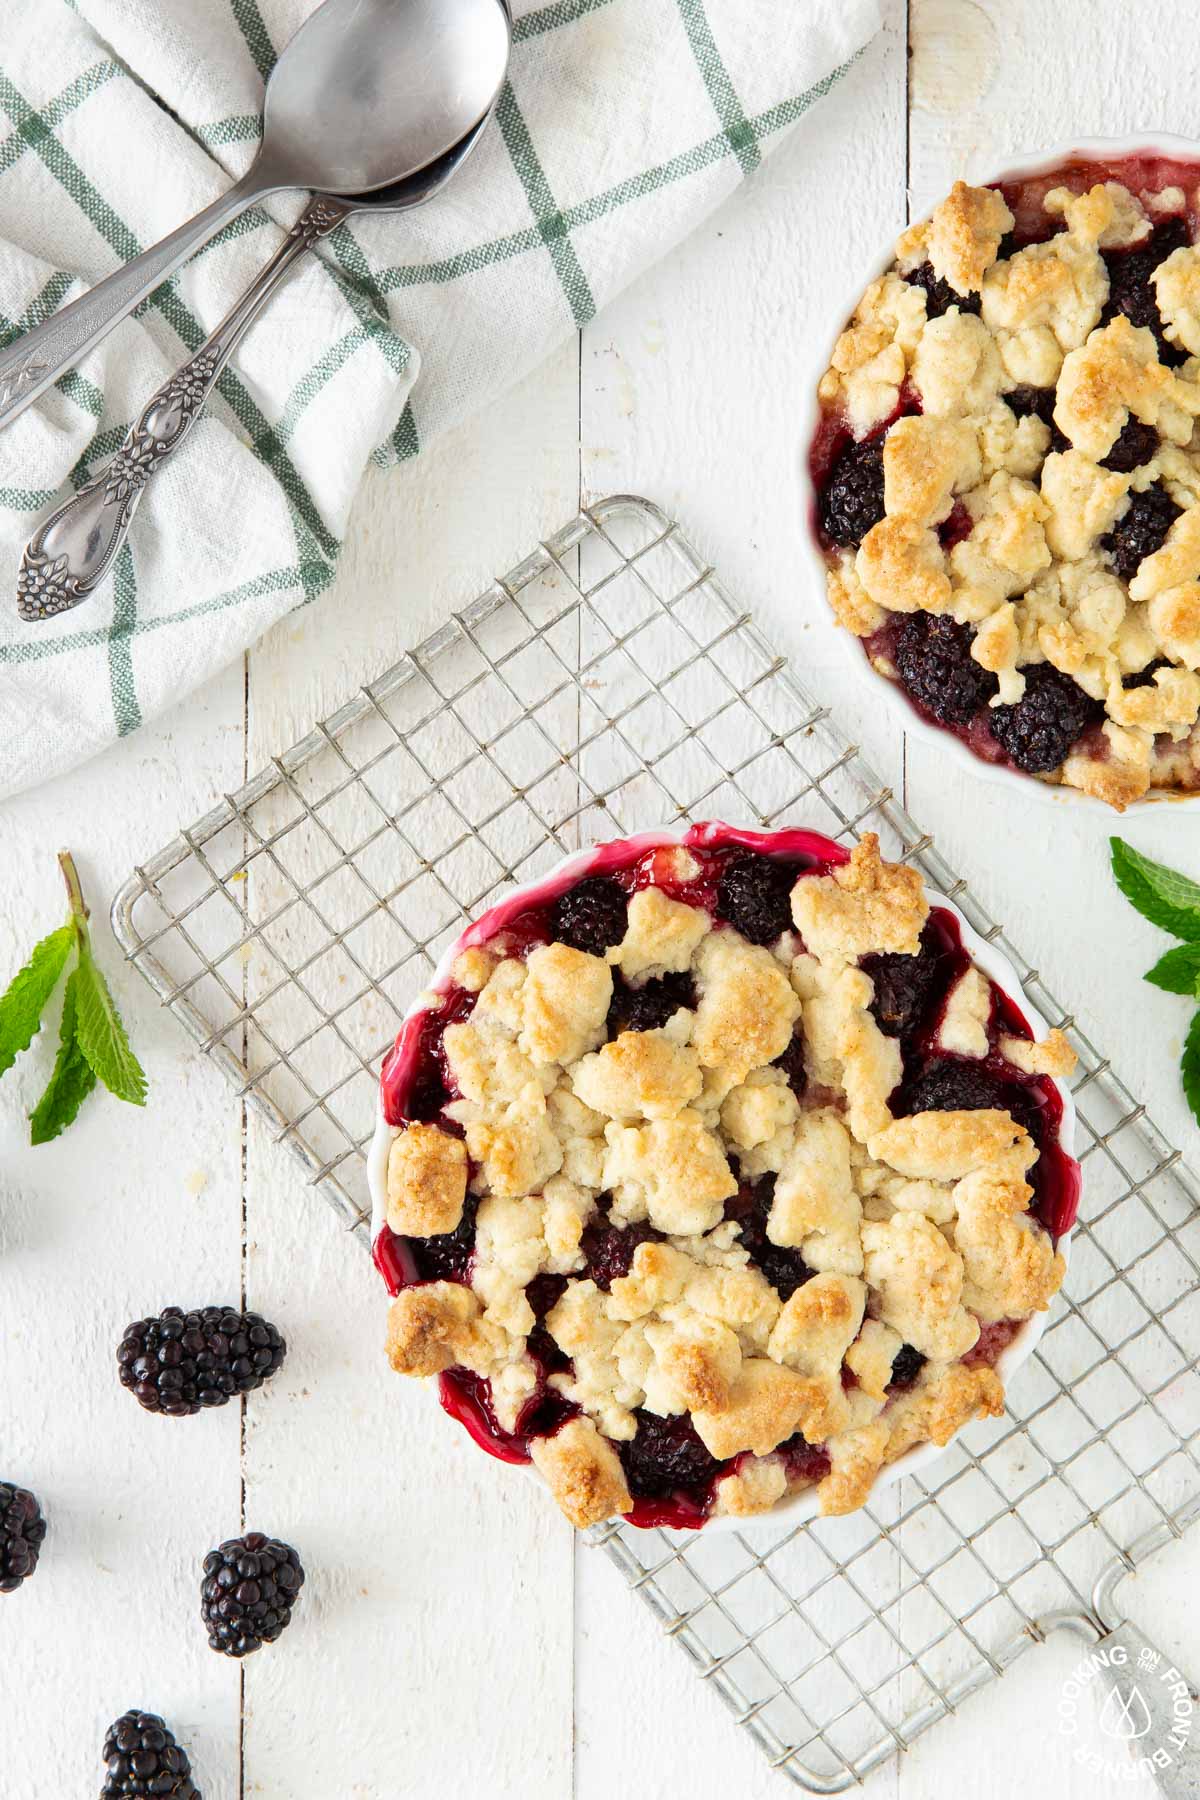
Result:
{"points": [[1032, 411], [725, 1225]]}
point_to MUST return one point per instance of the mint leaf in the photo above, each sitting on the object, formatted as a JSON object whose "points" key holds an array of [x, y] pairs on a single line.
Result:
{"points": [[101, 1035], [1189, 1066], [71, 1081], [22, 1005], [1161, 895], [1178, 971]]}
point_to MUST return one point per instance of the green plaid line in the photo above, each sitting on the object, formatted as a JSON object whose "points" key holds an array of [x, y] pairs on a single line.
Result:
{"points": [[721, 91], [549, 18], [258, 38], [552, 227], [126, 711]]}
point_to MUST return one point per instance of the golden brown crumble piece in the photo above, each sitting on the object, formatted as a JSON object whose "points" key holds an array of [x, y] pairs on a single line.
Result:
{"points": [[583, 1472], [867, 905], [426, 1181]]}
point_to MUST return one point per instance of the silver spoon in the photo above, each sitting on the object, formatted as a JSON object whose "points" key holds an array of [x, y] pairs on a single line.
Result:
{"points": [[69, 556], [71, 553], [366, 93]]}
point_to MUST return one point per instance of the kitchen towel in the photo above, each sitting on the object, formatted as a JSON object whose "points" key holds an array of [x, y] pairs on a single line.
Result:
{"points": [[622, 124]]}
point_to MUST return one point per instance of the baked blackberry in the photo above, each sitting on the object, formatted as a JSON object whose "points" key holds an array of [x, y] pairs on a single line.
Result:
{"points": [[178, 1362], [786, 1270], [933, 659], [1052, 714], [1038, 403], [939, 295], [1135, 445], [647, 1008], [1131, 291], [1141, 530], [954, 1087], [907, 1366], [608, 1250], [22, 1531], [792, 1064], [592, 915], [142, 1757], [448, 1256], [1145, 677], [664, 1456], [754, 895], [249, 1589], [853, 498], [902, 985]]}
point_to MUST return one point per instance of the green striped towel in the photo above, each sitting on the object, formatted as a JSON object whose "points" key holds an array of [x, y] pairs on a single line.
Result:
{"points": [[622, 124]]}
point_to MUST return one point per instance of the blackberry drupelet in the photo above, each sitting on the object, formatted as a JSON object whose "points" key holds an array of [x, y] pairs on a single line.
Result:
{"points": [[786, 1270], [250, 1586], [1131, 291], [902, 985], [592, 915], [178, 1362], [933, 659], [792, 1064], [22, 1532], [754, 895], [1053, 713], [608, 1250], [853, 498], [142, 1758], [939, 295], [665, 1455], [448, 1256], [647, 1008], [907, 1366], [1136, 444], [1141, 530], [1038, 403]]}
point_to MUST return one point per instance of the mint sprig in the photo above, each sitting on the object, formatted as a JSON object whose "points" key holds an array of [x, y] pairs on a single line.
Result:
{"points": [[92, 1042], [1172, 902]]}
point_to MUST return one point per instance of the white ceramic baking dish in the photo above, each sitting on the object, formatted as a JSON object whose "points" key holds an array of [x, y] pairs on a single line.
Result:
{"points": [[794, 1508], [904, 713]]}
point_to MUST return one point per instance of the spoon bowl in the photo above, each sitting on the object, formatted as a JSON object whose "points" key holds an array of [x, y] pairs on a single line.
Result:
{"points": [[368, 92]]}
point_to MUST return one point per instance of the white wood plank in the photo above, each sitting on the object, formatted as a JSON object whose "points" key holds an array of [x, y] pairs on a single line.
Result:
{"points": [[437, 1626], [129, 1212]]}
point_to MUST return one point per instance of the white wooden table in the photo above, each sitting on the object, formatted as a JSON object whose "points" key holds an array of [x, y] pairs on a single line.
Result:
{"points": [[452, 1639]]}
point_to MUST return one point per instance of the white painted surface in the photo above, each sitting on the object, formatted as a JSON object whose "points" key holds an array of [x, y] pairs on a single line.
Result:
{"points": [[451, 1640]]}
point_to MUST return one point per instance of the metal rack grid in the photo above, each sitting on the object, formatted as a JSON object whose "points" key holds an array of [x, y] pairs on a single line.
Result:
{"points": [[606, 685]]}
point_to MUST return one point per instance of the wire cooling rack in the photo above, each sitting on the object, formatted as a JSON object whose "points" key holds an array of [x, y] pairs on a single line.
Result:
{"points": [[607, 685]]}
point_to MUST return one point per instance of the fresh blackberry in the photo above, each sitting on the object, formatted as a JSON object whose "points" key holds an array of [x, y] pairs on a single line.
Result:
{"points": [[1135, 445], [754, 895], [1038, 403], [961, 1087], [142, 1757], [592, 915], [608, 1250], [250, 1586], [786, 1270], [939, 295], [934, 662], [1052, 714], [1141, 530], [792, 1064], [648, 1007], [665, 1455], [22, 1531], [853, 498], [448, 1256], [907, 1366], [179, 1362], [1131, 292], [902, 985]]}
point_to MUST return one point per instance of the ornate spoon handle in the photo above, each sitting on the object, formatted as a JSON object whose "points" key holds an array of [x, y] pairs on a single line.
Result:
{"points": [[70, 554]]}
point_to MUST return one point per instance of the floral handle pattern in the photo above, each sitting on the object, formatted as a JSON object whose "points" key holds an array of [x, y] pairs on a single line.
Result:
{"points": [[72, 552]]}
